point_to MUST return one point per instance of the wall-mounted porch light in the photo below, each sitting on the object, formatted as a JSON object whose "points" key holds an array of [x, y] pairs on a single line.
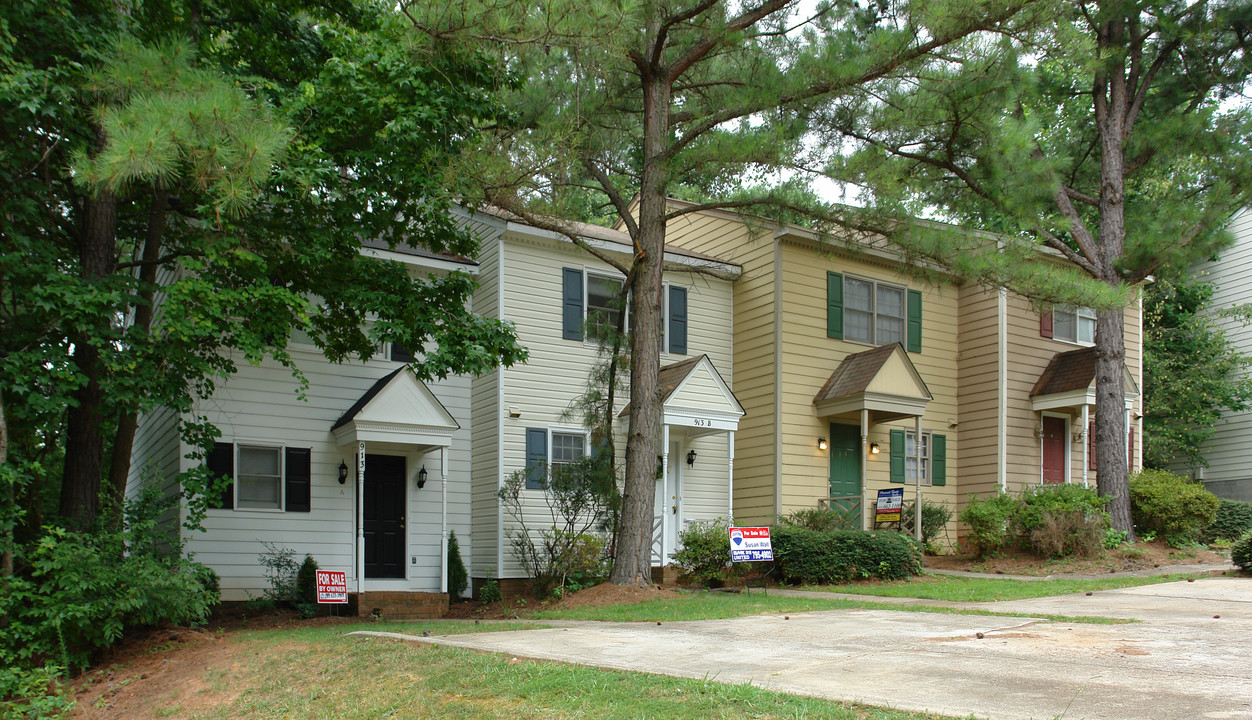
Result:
{"points": [[822, 444], [421, 478], [343, 472], [873, 448], [691, 458]]}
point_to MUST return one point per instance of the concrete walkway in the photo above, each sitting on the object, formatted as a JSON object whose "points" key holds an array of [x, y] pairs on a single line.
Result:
{"points": [[1190, 657]]}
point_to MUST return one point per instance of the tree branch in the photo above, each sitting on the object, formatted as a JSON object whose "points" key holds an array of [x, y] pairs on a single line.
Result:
{"points": [[619, 202]]}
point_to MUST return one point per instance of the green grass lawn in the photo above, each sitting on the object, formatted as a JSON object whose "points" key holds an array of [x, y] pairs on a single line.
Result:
{"points": [[320, 673], [968, 589]]}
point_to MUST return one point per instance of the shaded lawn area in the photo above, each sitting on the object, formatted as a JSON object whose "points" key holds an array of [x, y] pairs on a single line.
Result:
{"points": [[955, 588], [318, 672]]}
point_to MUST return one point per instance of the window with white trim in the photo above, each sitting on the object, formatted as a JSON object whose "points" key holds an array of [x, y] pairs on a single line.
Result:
{"points": [[602, 306], [1076, 325], [567, 448], [259, 478], [910, 457], [873, 312]]}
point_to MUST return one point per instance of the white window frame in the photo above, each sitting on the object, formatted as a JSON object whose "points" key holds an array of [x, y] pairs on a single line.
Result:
{"points": [[873, 312], [588, 273], [928, 442], [559, 430], [281, 449], [1079, 314]]}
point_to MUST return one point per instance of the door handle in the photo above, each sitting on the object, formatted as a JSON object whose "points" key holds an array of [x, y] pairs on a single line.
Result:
{"points": [[674, 508]]}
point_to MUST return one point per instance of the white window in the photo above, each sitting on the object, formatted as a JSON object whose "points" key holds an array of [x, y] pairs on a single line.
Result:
{"points": [[567, 447], [1076, 325], [910, 457], [873, 313], [259, 477], [601, 295]]}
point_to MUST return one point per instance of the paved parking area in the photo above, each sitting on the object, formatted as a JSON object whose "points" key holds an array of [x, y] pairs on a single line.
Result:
{"points": [[1190, 657]]}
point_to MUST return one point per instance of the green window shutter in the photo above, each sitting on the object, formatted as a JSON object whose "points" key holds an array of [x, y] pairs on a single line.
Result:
{"points": [[677, 320], [915, 322], [834, 305], [938, 459], [897, 456], [572, 304], [536, 457], [299, 479], [221, 463]]}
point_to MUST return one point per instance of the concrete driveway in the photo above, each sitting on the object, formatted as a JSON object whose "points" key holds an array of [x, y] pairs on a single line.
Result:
{"points": [[1179, 662]]}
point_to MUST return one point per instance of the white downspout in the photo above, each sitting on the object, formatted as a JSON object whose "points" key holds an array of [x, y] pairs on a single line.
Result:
{"points": [[1086, 443], [917, 506], [360, 518], [865, 509], [665, 491], [443, 547], [1002, 389], [730, 475]]}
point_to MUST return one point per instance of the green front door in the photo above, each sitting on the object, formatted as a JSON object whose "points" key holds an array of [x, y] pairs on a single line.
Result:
{"points": [[845, 471]]}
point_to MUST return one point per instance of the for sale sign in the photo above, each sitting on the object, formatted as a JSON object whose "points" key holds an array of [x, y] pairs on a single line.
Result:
{"points": [[332, 587], [748, 544], [890, 502]]}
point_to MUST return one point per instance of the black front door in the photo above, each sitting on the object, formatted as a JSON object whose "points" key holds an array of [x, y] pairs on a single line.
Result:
{"points": [[384, 516]]}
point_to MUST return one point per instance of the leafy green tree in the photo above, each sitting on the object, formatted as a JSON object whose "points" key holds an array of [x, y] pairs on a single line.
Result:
{"points": [[625, 102], [229, 158], [1099, 137], [1192, 372]]}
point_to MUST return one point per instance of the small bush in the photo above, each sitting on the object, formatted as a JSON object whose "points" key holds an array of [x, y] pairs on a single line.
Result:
{"points": [[1061, 533], [490, 592], [810, 557], [705, 554], [1233, 519], [280, 571], [33, 693], [1170, 505], [988, 521], [458, 577], [306, 581], [935, 517], [1241, 552], [820, 520], [1037, 502]]}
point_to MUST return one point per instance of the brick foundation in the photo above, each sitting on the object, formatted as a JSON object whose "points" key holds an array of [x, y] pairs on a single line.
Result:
{"points": [[400, 605]]}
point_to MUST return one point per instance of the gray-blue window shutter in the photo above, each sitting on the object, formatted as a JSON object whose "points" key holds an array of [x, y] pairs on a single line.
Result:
{"points": [[678, 320], [572, 307], [221, 463], [536, 457]]}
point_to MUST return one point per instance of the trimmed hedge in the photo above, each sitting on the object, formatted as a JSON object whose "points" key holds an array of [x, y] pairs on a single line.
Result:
{"points": [[1233, 519], [1170, 505], [806, 556], [1241, 552]]}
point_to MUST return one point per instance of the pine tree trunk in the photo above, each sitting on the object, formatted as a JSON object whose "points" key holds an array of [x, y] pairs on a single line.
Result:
{"points": [[128, 421], [633, 563], [84, 439]]}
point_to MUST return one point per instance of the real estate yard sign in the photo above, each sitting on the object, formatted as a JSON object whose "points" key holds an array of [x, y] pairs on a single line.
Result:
{"points": [[332, 587], [890, 503], [749, 544]]}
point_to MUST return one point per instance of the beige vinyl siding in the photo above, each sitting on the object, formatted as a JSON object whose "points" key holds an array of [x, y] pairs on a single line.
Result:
{"points": [[978, 391], [753, 249], [1226, 452], [259, 404], [546, 387], [487, 416]]}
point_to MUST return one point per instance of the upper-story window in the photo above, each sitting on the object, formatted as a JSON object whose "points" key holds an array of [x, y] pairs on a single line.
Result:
{"points": [[589, 297], [1076, 325], [873, 312]]}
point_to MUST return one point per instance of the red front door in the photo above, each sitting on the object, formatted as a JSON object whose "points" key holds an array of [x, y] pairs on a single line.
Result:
{"points": [[1054, 438]]}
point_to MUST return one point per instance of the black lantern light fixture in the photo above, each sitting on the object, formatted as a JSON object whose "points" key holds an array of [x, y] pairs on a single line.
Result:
{"points": [[691, 458], [421, 478], [343, 472], [873, 448], [822, 444]]}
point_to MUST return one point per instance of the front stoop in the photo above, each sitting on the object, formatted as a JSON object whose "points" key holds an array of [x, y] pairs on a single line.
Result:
{"points": [[400, 605]]}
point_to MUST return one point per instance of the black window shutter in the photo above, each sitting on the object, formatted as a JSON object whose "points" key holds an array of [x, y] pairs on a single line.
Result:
{"points": [[938, 459], [678, 320], [536, 457], [400, 353], [914, 344], [299, 480], [834, 305], [221, 463], [572, 305]]}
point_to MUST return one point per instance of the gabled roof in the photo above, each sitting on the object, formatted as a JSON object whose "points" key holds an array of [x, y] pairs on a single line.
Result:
{"points": [[882, 380], [1069, 381], [694, 396], [397, 408]]}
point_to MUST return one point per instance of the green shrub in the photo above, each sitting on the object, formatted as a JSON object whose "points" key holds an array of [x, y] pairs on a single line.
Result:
{"points": [[705, 554], [1035, 503], [1170, 505], [458, 577], [306, 581], [1233, 519], [490, 592], [1061, 533], [988, 521], [820, 520], [33, 693], [810, 557], [280, 571], [935, 517], [1241, 552]]}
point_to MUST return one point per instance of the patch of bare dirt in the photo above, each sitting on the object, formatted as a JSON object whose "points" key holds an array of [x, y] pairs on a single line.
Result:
{"points": [[1140, 556]]}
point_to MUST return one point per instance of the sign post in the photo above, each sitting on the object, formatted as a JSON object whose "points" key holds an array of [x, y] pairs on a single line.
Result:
{"points": [[889, 507]]}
